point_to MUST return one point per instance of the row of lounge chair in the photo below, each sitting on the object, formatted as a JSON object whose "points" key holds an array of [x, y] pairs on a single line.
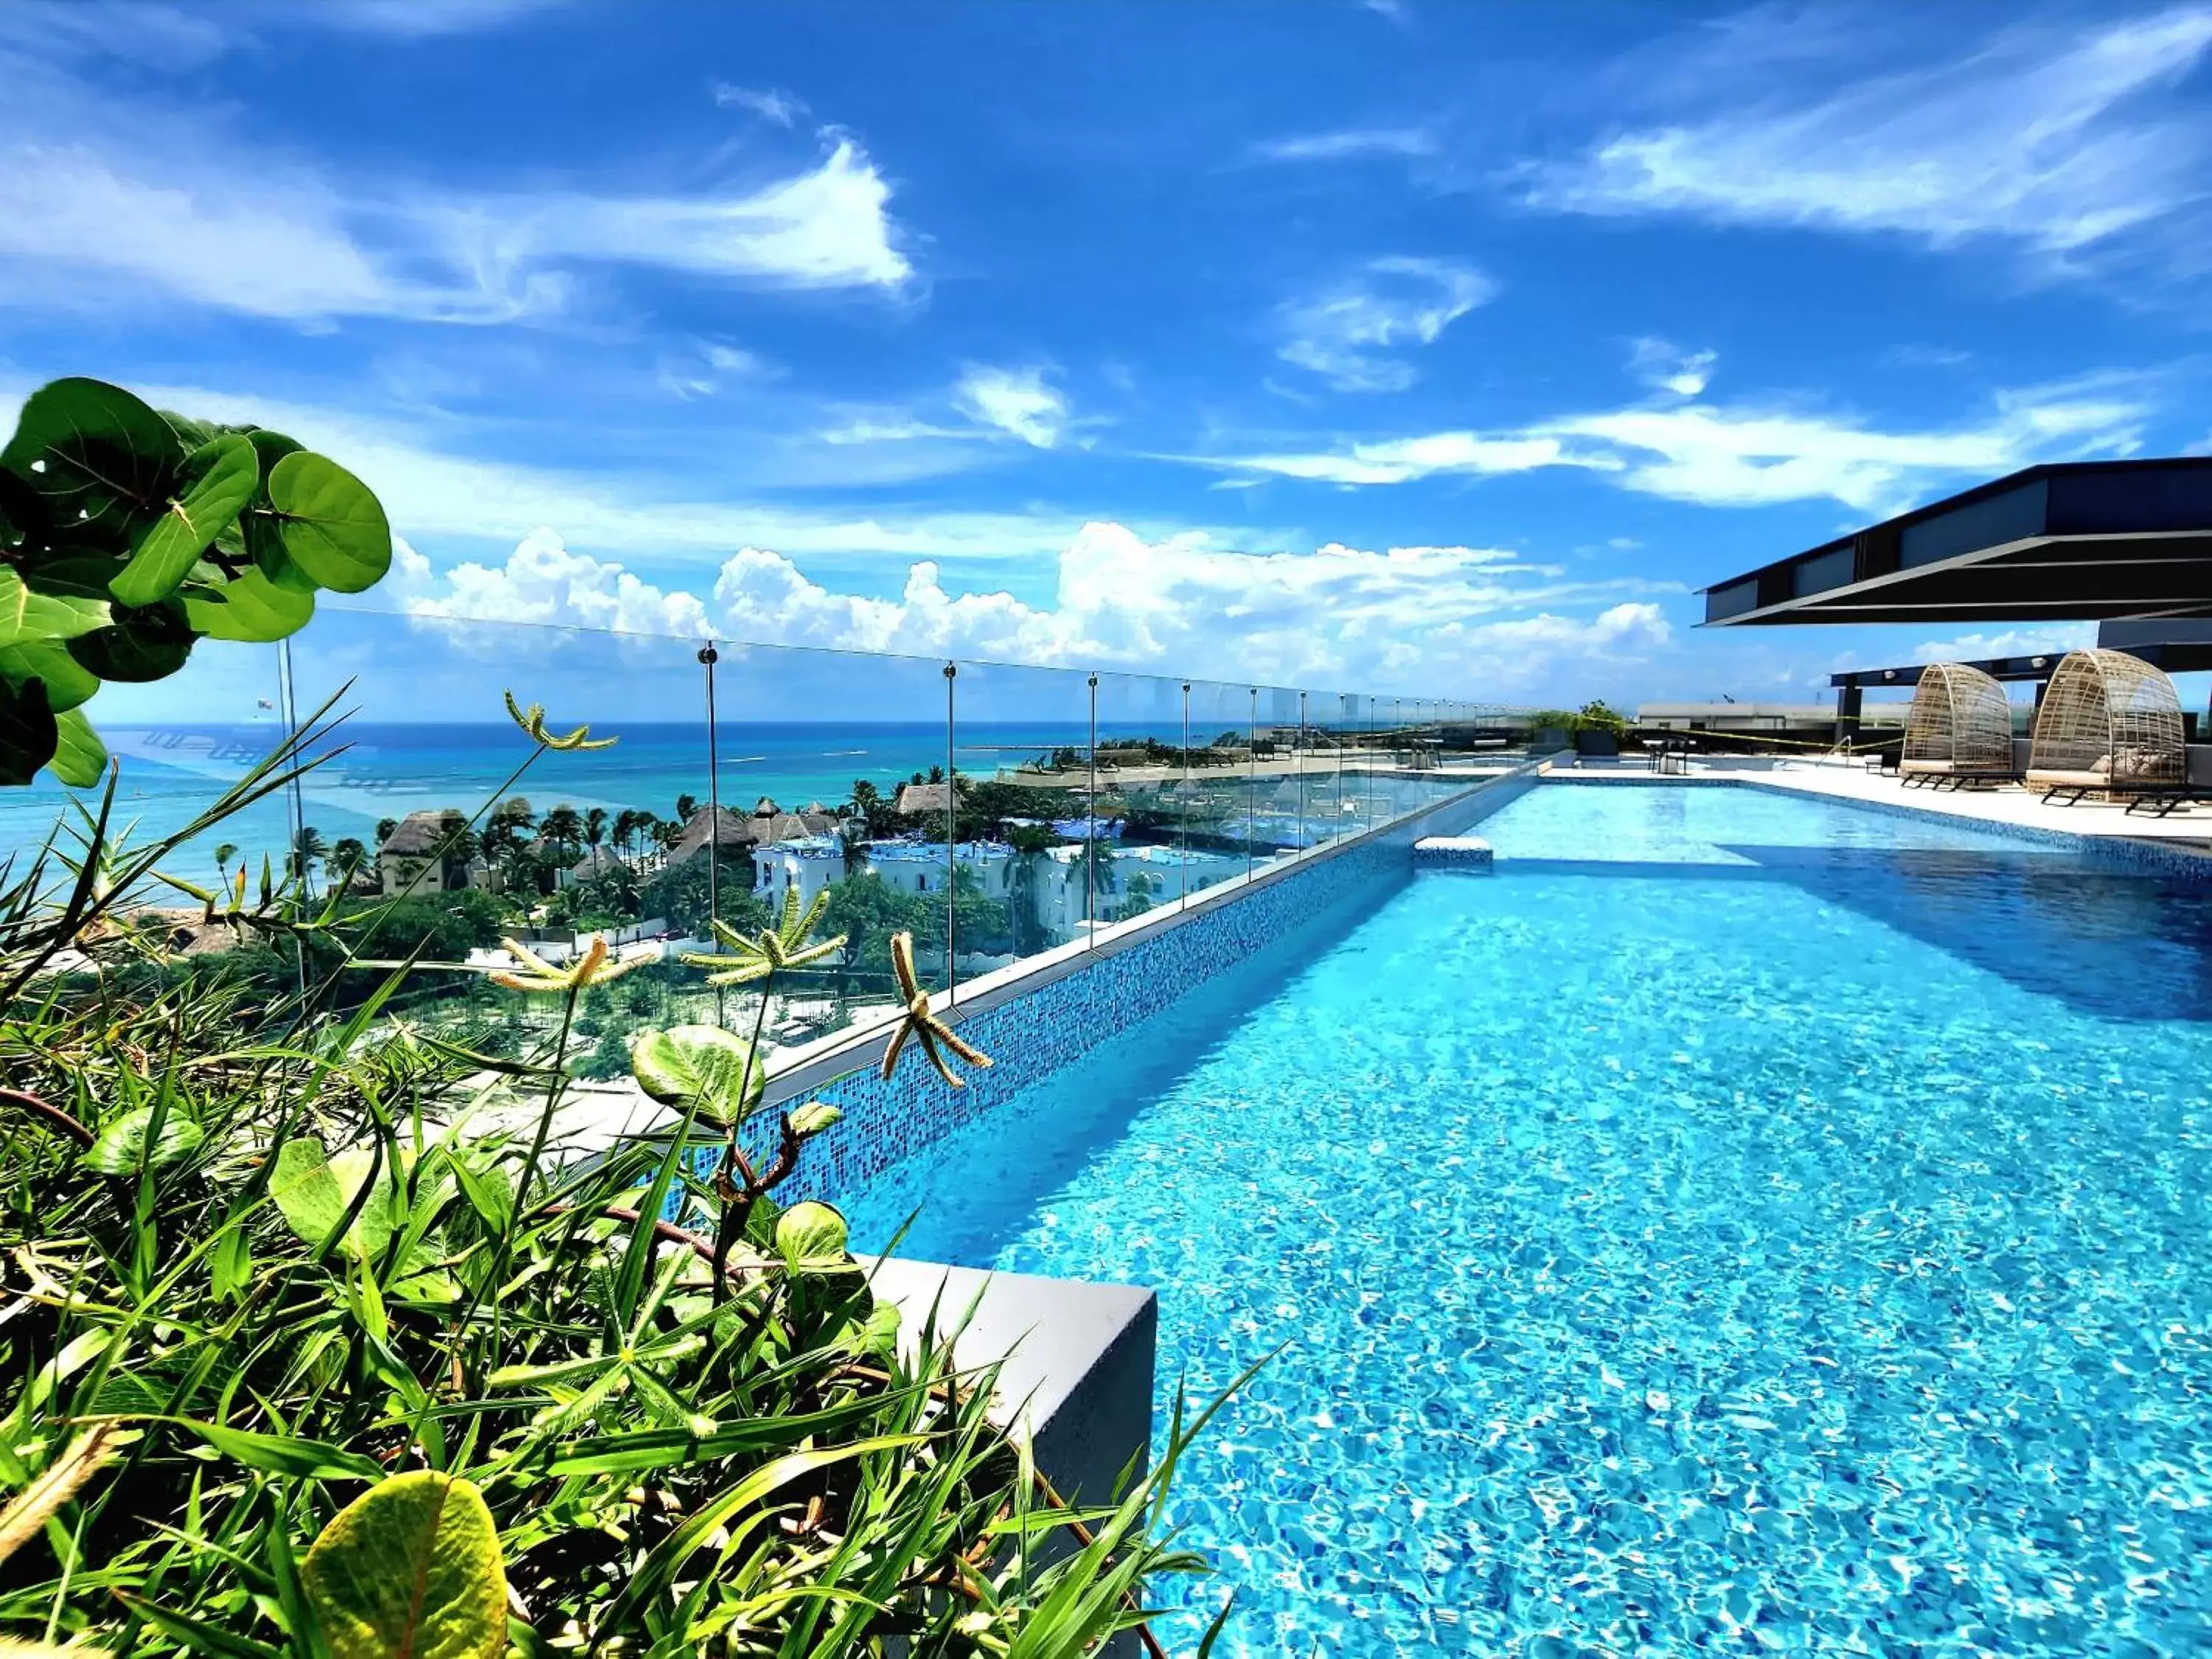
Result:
{"points": [[2109, 726]]}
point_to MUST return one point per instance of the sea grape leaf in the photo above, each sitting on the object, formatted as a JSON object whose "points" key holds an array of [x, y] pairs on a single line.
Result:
{"points": [[27, 615], [332, 527], [213, 486], [139, 645], [699, 1062], [411, 1568], [121, 1144], [260, 527], [98, 455], [71, 573], [250, 607], [28, 734], [811, 1234], [313, 1190], [80, 758], [68, 681]]}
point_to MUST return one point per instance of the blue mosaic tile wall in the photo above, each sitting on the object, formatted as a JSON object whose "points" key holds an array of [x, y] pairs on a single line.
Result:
{"points": [[1032, 1035]]}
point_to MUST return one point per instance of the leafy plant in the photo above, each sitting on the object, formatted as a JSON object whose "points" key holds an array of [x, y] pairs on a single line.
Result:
{"points": [[127, 536]]}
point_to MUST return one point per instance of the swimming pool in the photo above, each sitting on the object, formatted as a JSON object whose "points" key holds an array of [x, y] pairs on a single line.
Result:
{"points": [[1741, 1223]]}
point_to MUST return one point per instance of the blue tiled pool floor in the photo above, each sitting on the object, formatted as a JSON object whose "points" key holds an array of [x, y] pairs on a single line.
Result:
{"points": [[1798, 1249]]}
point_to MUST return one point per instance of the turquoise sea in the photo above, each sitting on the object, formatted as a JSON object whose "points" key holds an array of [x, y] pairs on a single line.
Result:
{"points": [[373, 770]]}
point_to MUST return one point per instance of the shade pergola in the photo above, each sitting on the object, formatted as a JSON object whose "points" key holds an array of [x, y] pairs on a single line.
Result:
{"points": [[2076, 541], [2107, 719], [1961, 723]]}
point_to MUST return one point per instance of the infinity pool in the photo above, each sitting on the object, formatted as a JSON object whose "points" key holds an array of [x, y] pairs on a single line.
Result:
{"points": [[1740, 1223]]}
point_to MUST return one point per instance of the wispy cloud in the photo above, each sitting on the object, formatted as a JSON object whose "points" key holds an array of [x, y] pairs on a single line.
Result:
{"points": [[1018, 402], [104, 202], [770, 103], [1668, 367], [2055, 140], [1741, 456], [1348, 333], [1348, 144]]}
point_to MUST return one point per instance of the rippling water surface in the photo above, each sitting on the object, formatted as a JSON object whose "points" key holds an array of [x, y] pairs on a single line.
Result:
{"points": [[1740, 1224]]}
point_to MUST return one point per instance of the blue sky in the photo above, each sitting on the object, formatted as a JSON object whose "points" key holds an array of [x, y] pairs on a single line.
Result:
{"points": [[1440, 348]]}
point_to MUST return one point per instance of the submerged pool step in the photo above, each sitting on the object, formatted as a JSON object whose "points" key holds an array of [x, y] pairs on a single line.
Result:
{"points": [[1452, 853]]}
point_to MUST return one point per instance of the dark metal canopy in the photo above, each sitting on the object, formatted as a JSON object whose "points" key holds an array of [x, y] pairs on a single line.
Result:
{"points": [[2183, 647], [2081, 541]]}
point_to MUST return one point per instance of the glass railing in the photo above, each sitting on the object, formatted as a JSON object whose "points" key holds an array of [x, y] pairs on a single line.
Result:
{"points": [[998, 814]]}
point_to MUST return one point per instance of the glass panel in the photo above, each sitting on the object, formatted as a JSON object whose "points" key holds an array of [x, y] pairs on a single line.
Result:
{"points": [[833, 768], [1026, 761], [1146, 863], [178, 744], [1216, 815], [430, 796], [1279, 766]]}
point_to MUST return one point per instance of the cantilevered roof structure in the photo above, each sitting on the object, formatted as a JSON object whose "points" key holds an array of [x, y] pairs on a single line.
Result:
{"points": [[2081, 541]]}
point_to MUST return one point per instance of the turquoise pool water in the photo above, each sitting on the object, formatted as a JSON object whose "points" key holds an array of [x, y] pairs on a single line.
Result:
{"points": [[1740, 1224]]}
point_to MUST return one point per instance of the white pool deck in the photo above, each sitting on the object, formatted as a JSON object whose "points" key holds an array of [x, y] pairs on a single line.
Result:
{"points": [[2188, 829]]}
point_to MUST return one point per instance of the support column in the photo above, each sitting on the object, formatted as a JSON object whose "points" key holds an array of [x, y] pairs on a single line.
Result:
{"points": [[1850, 704]]}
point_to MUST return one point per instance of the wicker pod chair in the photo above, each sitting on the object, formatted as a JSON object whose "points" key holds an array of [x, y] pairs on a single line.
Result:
{"points": [[2109, 724], [1959, 728]]}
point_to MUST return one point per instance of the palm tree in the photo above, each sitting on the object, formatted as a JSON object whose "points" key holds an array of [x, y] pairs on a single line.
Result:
{"points": [[223, 855], [625, 831], [595, 827], [562, 828], [384, 828], [457, 845], [308, 849], [854, 833], [346, 859], [687, 808]]}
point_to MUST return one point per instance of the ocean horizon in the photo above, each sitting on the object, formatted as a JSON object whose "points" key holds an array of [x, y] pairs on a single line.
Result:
{"points": [[373, 770]]}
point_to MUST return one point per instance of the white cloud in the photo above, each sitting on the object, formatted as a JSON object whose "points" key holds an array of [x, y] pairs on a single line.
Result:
{"points": [[1401, 460], [827, 228], [1346, 334], [1348, 144], [542, 582], [2009, 642], [103, 201], [1668, 367], [1014, 401], [1734, 458], [770, 104], [2055, 140], [706, 367], [1742, 457], [1432, 619]]}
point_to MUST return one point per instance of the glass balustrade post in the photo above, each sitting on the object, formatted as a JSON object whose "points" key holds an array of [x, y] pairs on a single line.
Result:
{"points": [[1182, 816], [708, 656], [951, 830], [1090, 829], [1299, 756], [1251, 778]]}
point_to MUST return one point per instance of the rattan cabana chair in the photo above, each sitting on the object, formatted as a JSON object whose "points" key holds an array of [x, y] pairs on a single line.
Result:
{"points": [[1958, 730], [2109, 726]]}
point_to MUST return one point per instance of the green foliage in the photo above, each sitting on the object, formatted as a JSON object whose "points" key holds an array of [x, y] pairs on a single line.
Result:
{"points": [[679, 893], [127, 535], [383, 1368], [410, 1566]]}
